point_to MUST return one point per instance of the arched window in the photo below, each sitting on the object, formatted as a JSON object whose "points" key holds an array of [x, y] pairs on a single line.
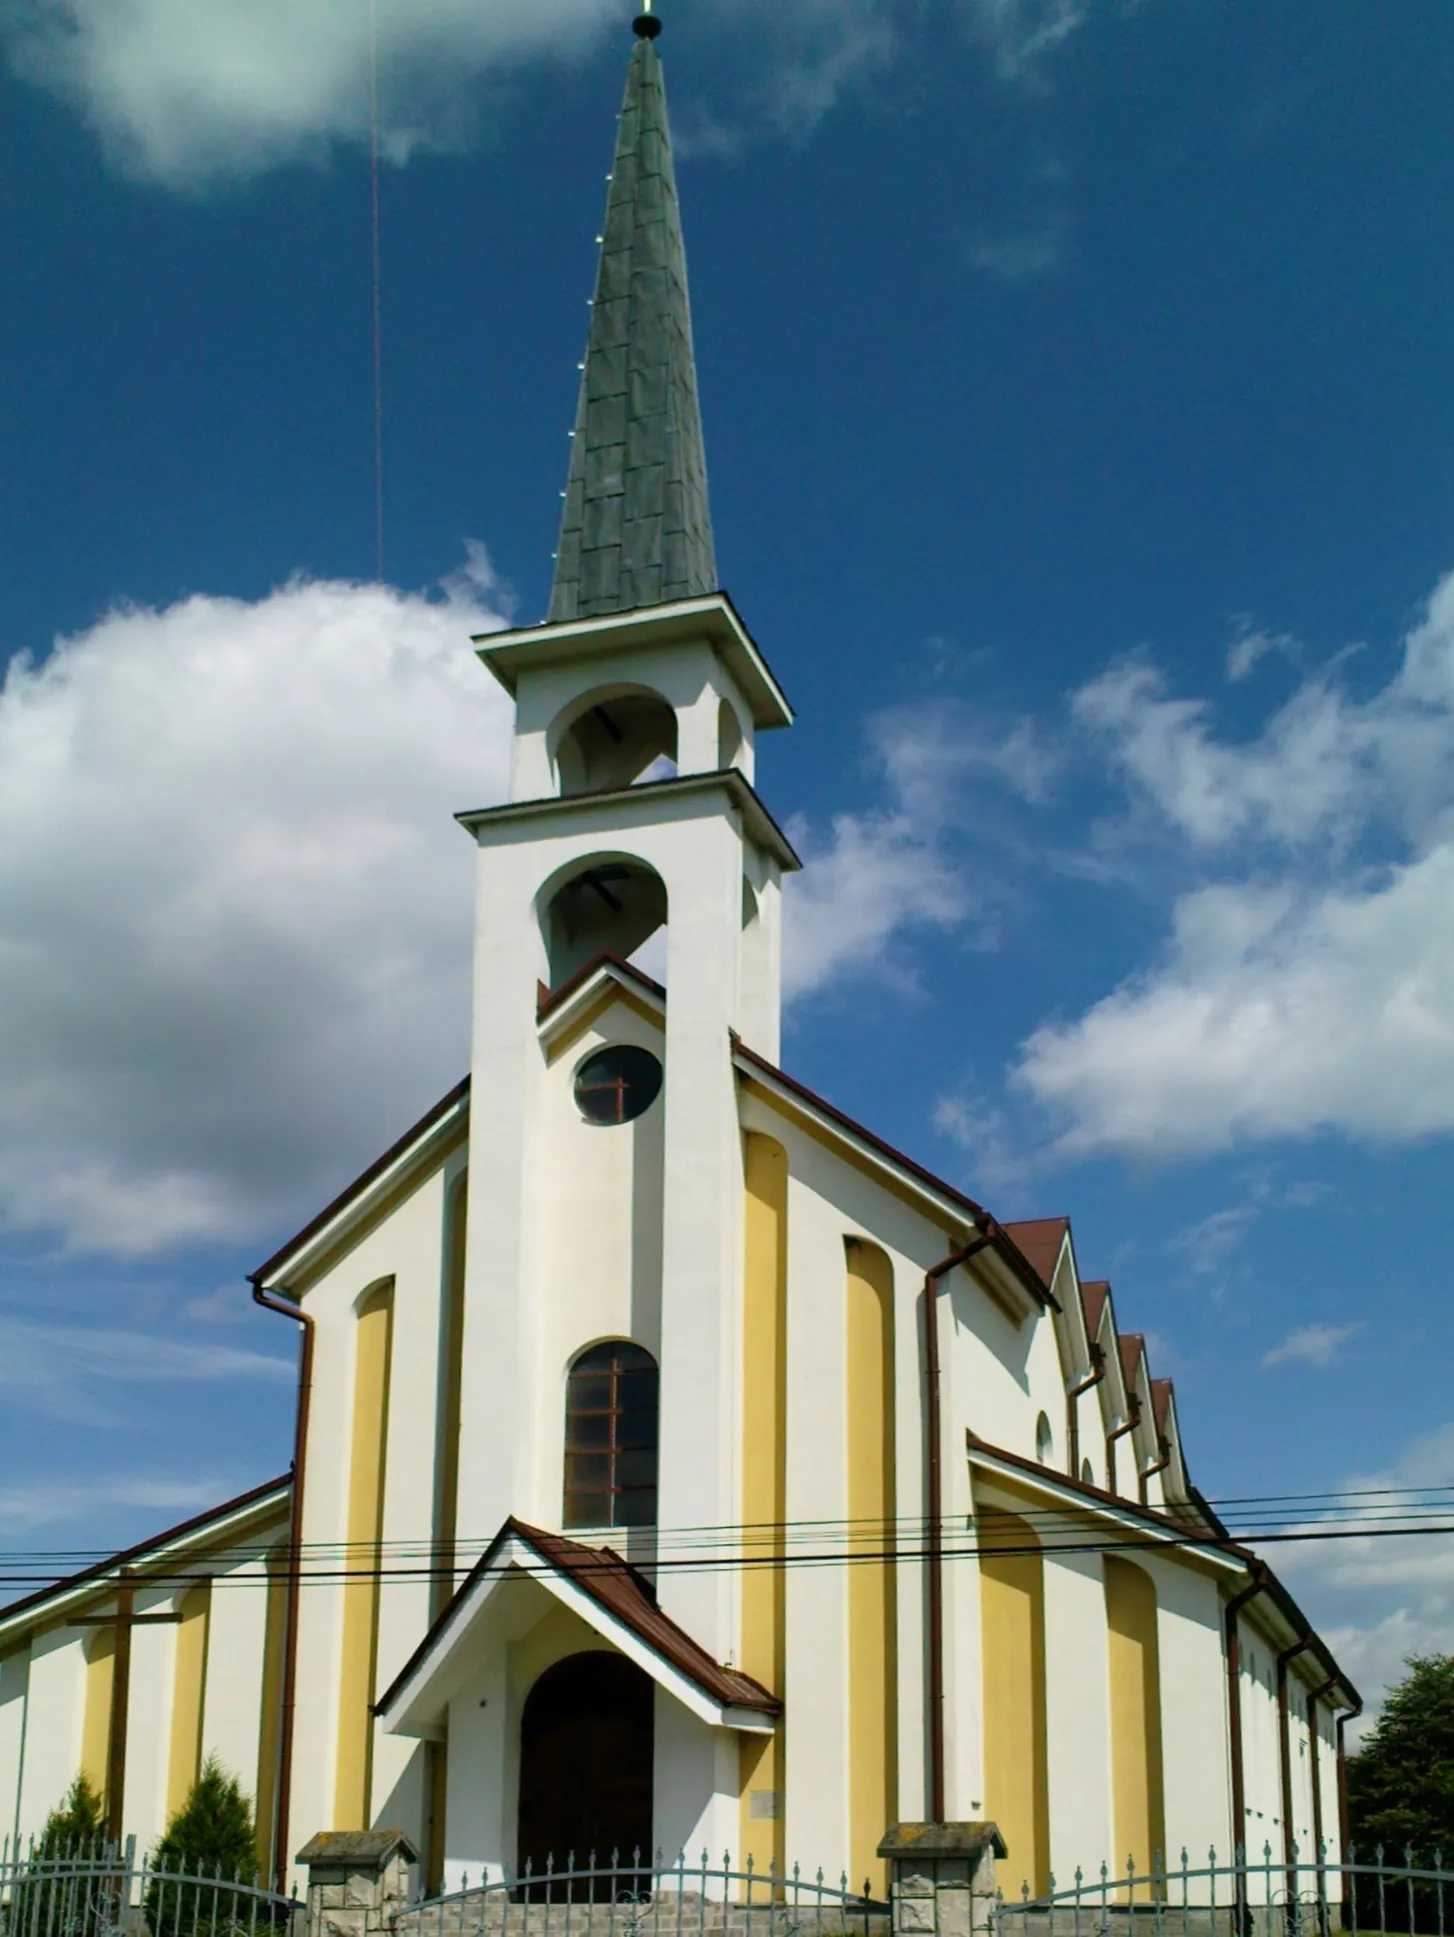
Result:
{"points": [[610, 1437], [1044, 1440]]}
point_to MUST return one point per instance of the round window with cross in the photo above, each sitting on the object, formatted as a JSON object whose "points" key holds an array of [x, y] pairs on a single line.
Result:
{"points": [[617, 1084]]}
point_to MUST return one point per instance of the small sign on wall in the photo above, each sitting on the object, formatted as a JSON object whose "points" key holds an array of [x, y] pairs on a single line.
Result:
{"points": [[762, 1806]]}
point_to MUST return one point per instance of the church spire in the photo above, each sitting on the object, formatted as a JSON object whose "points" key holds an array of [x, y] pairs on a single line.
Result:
{"points": [[637, 529]]}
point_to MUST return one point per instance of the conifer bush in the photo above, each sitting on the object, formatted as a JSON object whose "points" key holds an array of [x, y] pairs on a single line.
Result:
{"points": [[212, 1836], [67, 1891]]}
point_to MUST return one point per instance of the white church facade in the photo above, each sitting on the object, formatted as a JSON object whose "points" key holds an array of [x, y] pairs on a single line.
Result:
{"points": [[678, 1466]]}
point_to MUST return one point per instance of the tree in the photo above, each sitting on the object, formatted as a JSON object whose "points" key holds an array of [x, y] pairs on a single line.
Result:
{"points": [[1401, 1782], [211, 1836], [66, 1887], [76, 1822]]}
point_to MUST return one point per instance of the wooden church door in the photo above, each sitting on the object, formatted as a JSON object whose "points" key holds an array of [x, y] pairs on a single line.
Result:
{"points": [[586, 1740]]}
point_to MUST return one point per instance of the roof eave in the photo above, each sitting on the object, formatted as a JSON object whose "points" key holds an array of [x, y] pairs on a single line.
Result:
{"points": [[713, 618], [232, 1516], [757, 822]]}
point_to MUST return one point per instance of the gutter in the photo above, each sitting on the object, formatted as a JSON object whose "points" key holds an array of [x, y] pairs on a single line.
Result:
{"points": [[1149, 1473], [1133, 1420], [1072, 1410], [1284, 1750], [1325, 1688], [1349, 1714], [283, 1792], [934, 1550]]}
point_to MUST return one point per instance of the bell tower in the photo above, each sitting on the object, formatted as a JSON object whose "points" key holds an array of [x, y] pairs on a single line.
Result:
{"points": [[632, 815]]}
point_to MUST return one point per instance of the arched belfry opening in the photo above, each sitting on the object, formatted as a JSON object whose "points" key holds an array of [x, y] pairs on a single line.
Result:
{"points": [[614, 739], [609, 904], [587, 1735]]}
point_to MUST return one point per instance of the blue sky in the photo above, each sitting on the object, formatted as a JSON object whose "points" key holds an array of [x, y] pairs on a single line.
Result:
{"points": [[1075, 387]]}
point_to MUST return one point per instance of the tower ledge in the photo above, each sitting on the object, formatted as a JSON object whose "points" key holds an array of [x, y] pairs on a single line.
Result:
{"points": [[650, 797], [713, 619]]}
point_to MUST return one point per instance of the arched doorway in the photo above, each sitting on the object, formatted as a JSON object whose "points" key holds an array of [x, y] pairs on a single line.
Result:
{"points": [[586, 1740]]}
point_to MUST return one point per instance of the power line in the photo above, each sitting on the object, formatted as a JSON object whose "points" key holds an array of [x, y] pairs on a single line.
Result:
{"points": [[705, 1562], [377, 292], [1351, 1521]]}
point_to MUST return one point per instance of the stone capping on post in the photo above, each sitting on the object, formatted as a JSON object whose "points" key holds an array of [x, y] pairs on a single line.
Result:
{"points": [[942, 1877], [358, 1880]]}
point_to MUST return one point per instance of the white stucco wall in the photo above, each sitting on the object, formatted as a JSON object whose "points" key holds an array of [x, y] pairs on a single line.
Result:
{"points": [[53, 1731], [14, 1686], [1078, 1717], [232, 1698]]}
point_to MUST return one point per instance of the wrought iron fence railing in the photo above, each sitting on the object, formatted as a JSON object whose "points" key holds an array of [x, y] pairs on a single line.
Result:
{"points": [[1275, 1895], [647, 1896], [93, 1888]]}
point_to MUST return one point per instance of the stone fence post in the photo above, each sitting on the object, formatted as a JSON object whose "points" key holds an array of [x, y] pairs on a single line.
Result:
{"points": [[358, 1881], [942, 1878]]}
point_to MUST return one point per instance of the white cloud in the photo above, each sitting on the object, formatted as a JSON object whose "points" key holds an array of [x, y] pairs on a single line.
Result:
{"points": [[877, 875], [72, 1373], [185, 91], [235, 916], [1251, 644], [1315, 988], [1023, 254], [1317, 1345], [234, 913], [979, 1128], [884, 871], [1211, 1241], [1378, 1598], [23, 1508], [1021, 34]]}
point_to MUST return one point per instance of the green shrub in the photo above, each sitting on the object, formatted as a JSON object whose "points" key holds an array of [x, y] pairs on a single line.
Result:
{"points": [[211, 1836], [71, 1879]]}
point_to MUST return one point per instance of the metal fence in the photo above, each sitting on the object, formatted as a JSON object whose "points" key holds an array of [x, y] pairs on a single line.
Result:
{"points": [[99, 1889], [646, 1896], [1278, 1895]]}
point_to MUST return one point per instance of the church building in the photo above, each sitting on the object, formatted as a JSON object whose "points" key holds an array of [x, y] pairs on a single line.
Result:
{"points": [[678, 1465]]}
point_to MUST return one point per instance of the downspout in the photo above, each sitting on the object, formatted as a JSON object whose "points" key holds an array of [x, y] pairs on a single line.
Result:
{"points": [[1284, 1746], [1072, 1410], [1133, 1420], [934, 1551], [1233, 1635], [282, 1794], [1348, 1715], [1315, 1772], [1150, 1472]]}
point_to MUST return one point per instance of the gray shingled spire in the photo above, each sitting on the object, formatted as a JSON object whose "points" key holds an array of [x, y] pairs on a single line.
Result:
{"points": [[636, 528]]}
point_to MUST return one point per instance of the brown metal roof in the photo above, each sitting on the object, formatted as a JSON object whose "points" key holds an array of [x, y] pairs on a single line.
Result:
{"points": [[1094, 1297], [1133, 1351], [624, 1593], [550, 999], [1161, 1403], [1041, 1239]]}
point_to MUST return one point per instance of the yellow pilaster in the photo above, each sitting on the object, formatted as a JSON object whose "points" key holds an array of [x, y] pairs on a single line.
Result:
{"points": [[1012, 1627], [872, 1596], [372, 1353], [764, 1487], [1135, 1678], [271, 1721], [189, 1688], [96, 1723]]}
